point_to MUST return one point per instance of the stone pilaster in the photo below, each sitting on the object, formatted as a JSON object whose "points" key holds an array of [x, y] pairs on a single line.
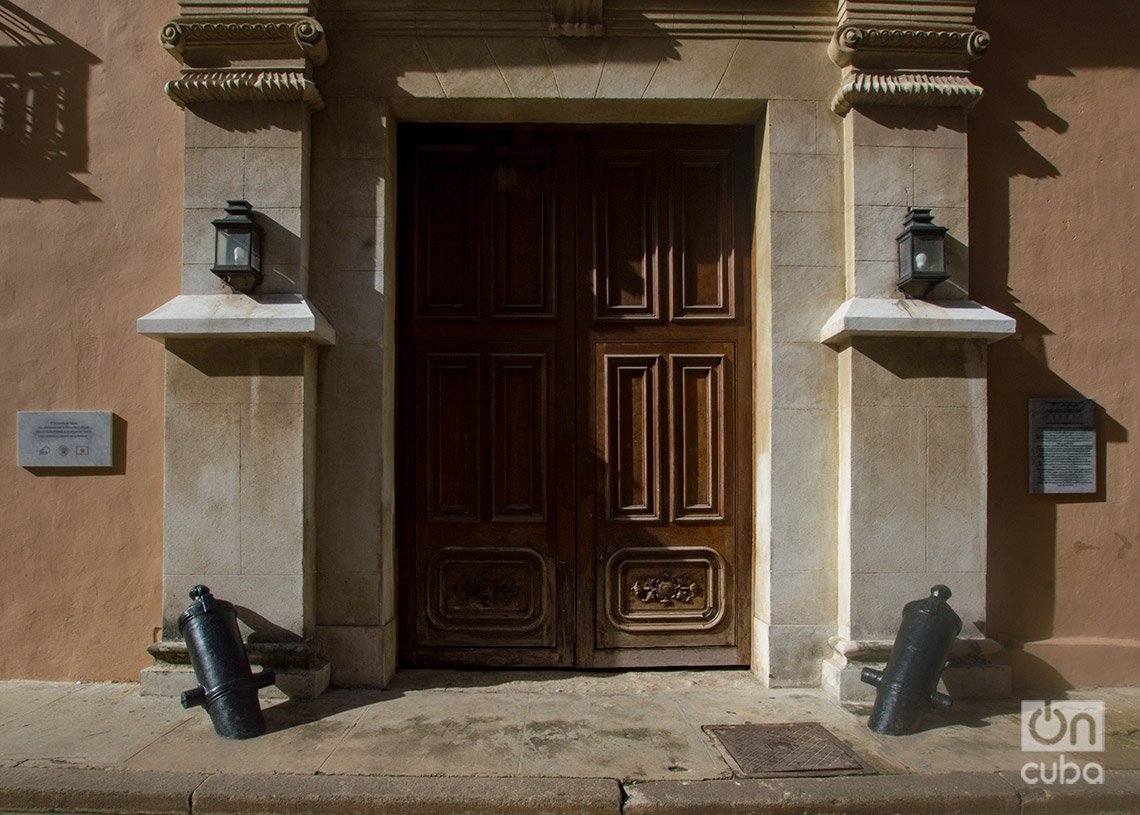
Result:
{"points": [[241, 369], [912, 373]]}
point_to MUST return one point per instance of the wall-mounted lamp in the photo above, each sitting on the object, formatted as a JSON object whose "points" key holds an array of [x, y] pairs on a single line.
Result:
{"points": [[922, 253], [237, 251]]}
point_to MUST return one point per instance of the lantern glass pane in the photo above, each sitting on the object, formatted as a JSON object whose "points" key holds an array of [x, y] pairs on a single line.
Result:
{"points": [[928, 255], [233, 248], [906, 256], [255, 251]]}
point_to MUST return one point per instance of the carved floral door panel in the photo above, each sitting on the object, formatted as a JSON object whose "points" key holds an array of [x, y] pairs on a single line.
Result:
{"points": [[574, 345]]}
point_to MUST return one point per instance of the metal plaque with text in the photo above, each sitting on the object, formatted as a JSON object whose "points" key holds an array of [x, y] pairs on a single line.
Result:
{"points": [[1062, 445], [63, 439]]}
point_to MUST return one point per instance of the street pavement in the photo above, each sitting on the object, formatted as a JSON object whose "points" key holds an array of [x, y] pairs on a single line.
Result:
{"points": [[528, 742]]}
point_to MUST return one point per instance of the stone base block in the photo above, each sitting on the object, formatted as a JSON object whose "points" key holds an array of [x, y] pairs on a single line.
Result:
{"points": [[292, 683], [363, 656], [303, 684], [983, 680], [970, 673], [840, 679], [301, 672]]}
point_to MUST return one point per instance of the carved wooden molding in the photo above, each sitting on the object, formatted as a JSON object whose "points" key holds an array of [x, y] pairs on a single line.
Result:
{"points": [[666, 589], [236, 36], [918, 89], [486, 590], [241, 85], [576, 18]]}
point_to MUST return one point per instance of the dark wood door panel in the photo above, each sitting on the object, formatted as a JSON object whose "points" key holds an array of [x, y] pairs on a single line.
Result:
{"points": [[625, 224], [575, 367], [491, 538], [524, 258], [665, 535], [702, 280], [486, 371], [446, 238]]}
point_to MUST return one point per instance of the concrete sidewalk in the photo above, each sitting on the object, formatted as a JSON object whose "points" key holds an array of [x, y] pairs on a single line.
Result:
{"points": [[504, 742]]}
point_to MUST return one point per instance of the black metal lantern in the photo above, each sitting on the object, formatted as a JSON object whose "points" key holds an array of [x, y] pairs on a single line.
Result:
{"points": [[922, 253], [237, 251]]}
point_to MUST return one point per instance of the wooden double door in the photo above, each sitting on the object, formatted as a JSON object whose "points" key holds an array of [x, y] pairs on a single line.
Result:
{"points": [[574, 481]]}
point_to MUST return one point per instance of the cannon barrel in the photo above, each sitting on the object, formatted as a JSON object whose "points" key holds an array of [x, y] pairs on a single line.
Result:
{"points": [[227, 688], [906, 687]]}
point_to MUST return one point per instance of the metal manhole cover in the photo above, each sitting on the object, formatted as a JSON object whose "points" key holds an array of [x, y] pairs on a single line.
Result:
{"points": [[784, 750]]}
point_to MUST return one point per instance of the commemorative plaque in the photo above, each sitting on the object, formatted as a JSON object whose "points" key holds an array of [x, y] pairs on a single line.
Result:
{"points": [[1062, 446], [63, 439]]}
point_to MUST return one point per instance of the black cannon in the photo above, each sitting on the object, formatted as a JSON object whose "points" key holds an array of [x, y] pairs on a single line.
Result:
{"points": [[906, 687], [227, 688]]}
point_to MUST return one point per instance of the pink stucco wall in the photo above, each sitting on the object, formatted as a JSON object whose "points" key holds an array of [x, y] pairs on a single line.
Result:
{"points": [[1054, 214], [90, 208]]}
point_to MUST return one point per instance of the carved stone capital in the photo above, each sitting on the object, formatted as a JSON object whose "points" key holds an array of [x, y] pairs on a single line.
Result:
{"points": [[245, 85], [576, 18], [237, 37], [866, 46], [951, 89]]}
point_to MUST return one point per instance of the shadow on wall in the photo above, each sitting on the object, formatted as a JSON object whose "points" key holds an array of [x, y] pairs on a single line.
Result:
{"points": [[1023, 548], [43, 110]]}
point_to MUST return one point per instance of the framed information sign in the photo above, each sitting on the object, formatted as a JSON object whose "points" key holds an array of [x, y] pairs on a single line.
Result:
{"points": [[1062, 446], [63, 439]]}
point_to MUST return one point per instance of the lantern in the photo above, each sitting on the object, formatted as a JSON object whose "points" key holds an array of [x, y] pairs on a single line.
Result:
{"points": [[237, 250], [922, 253]]}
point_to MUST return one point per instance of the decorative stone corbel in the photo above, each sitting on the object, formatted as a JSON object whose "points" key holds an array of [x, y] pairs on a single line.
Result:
{"points": [[869, 47], [189, 37], [921, 64], [576, 18], [917, 89], [237, 85], [239, 57]]}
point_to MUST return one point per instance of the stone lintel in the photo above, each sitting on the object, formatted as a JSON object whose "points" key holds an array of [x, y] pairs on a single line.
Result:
{"points": [[873, 317], [235, 316]]}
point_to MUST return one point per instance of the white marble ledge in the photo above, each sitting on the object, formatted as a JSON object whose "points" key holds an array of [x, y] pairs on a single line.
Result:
{"points": [[237, 316], [873, 317]]}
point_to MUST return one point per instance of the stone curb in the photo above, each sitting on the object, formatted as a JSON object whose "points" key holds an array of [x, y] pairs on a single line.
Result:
{"points": [[372, 795], [948, 794], [914, 795], [1120, 793], [69, 790], [32, 789]]}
